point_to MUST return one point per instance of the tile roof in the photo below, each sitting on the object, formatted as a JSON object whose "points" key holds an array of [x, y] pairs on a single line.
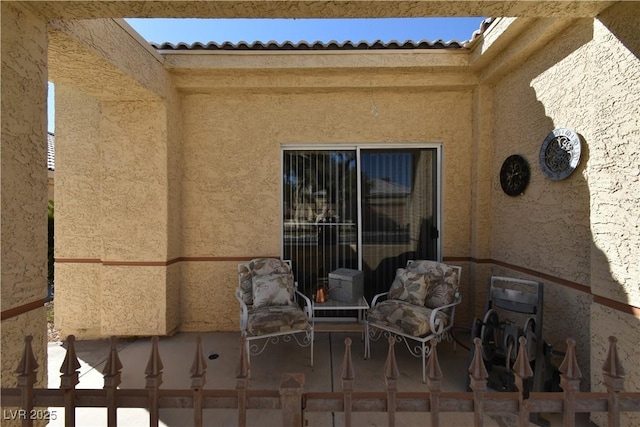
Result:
{"points": [[480, 31], [303, 45], [51, 151], [318, 45]]}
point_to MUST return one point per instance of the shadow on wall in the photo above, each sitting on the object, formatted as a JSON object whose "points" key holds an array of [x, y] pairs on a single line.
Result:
{"points": [[545, 231], [623, 20], [583, 206]]}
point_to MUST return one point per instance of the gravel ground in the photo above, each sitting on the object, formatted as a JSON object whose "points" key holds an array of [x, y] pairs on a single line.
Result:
{"points": [[53, 335]]}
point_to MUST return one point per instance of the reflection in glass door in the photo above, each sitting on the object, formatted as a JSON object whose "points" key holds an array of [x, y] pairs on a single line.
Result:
{"points": [[320, 213], [399, 212], [375, 222]]}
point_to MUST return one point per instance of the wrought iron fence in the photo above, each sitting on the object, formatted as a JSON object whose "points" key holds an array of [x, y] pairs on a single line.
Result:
{"points": [[293, 402]]}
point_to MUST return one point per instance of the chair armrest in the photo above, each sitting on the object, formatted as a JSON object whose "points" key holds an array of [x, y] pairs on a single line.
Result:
{"points": [[436, 324], [307, 303], [244, 311], [376, 297]]}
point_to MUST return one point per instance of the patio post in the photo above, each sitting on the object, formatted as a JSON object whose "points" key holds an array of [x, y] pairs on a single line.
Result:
{"points": [[478, 373], [68, 381], [291, 388], [242, 382], [613, 373], [522, 371], [570, 383], [198, 380], [434, 384], [154, 380], [391, 374], [26, 371], [348, 377], [111, 372]]}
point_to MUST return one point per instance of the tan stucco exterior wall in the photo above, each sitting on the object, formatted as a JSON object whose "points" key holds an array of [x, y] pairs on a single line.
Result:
{"points": [[583, 229], [231, 162], [23, 226], [128, 239], [547, 228], [118, 150]]}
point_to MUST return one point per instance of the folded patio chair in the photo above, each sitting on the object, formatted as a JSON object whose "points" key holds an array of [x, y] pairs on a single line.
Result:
{"points": [[269, 305], [420, 306]]}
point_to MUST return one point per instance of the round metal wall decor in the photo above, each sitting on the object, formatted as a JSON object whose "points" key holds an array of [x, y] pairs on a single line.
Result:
{"points": [[560, 153], [514, 175]]}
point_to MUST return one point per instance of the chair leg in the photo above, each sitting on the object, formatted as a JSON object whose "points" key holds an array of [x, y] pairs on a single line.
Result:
{"points": [[312, 337], [424, 365], [367, 349], [247, 346]]}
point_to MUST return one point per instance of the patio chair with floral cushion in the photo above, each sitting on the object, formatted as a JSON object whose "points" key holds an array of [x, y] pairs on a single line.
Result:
{"points": [[419, 307], [269, 306]]}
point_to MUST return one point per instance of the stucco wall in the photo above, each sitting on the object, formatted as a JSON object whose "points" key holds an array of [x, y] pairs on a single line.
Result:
{"points": [[583, 229], [231, 168], [112, 214], [23, 186], [547, 228]]}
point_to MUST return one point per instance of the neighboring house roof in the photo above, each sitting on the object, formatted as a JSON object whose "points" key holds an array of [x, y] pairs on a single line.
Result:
{"points": [[332, 45], [51, 151], [386, 188]]}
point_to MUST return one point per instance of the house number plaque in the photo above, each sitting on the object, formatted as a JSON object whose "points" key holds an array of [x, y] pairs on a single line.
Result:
{"points": [[560, 153]]}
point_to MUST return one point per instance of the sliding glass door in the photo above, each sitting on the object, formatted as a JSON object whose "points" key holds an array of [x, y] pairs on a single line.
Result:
{"points": [[360, 208], [399, 215], [320, 209]]}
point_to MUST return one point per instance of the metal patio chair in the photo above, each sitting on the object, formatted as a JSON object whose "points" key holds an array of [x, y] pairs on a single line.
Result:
{"points": [[270, 307], [419, 307]]}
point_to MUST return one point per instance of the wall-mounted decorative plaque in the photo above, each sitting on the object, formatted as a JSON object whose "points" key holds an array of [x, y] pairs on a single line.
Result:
{"points": [[514, 175], [560, 153]]}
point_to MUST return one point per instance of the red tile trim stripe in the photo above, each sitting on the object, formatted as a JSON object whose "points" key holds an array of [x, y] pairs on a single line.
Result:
{"points": [[607, 302], [616, 305], [16, 311]]}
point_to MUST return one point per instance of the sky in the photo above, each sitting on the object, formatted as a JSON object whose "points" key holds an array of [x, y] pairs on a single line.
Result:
{"points": [[310, 30], [296, 30]]}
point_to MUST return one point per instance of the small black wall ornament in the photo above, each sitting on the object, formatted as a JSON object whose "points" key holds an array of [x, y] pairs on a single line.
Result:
{"points": [[514, 175]]}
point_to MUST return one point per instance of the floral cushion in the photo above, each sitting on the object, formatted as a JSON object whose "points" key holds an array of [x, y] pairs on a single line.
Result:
{"points": [[262, 266], [404, 317], [278, 318], [409, 286], [442, 282], [245, 283], [272, 289], [257, 267]]}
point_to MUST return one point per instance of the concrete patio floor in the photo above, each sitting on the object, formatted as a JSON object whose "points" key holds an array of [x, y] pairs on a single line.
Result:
{"points": [[221, 350]]}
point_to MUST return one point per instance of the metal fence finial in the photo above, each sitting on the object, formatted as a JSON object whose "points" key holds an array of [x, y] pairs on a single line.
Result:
{"points": [[28, 364], [113, 366], [348, 373], [612, 366], [391, 371], [242, 370], [569, 367], [477, 370], [198, 367], [434, 373], [70, 365], [154, 366], [522, 366]]}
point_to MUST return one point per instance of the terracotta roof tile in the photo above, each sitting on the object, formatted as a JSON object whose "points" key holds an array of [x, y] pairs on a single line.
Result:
{"points": [[331, 45], [51, 151], [317, 45]]}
